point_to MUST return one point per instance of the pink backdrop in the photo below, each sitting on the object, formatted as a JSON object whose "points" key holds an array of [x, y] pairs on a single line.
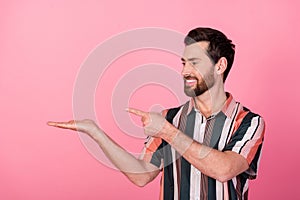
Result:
{"points": [[44, 43]]}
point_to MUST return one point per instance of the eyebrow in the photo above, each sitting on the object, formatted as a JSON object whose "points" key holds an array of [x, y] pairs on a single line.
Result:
{"points": [[190, 59]]}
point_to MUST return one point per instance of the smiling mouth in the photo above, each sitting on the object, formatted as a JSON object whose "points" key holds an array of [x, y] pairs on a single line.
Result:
{"points": [[190, 81]]}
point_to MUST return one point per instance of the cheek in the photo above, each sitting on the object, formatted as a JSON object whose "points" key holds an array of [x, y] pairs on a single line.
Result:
{"points": [[206, 75], [201, 71]]}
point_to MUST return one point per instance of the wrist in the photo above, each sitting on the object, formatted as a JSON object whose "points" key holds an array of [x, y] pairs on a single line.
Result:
{"points": [[177, 139], [96, 134], [169, 132]]}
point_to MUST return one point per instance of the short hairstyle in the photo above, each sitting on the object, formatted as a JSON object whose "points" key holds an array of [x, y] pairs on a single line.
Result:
{"points": [[219, 45]]}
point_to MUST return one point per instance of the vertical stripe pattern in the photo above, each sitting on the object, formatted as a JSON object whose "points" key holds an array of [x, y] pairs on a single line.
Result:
{"points": [[234, 128], [207, 136]]}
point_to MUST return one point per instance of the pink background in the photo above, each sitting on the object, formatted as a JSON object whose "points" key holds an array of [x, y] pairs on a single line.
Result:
{"points": [[43, 44]]}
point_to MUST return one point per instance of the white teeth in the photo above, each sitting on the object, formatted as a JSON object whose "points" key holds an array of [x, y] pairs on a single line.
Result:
{"points": [[190, 81]]}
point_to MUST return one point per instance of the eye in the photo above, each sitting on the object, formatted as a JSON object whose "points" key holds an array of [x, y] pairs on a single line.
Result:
{"points": [[194, 63]]}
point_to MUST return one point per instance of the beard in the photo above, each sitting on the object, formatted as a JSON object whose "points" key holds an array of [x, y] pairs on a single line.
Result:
{"points": [[201, 86]]}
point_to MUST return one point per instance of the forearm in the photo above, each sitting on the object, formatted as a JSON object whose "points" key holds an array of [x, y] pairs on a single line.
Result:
{"points": [[219, 165], [136, 170], [216, 164]]}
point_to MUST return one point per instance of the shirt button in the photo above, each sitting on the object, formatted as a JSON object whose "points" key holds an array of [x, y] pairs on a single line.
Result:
{"points": [[197, 198], [198, 173]]}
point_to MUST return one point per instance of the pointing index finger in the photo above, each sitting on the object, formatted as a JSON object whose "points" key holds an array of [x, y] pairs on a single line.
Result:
{"points": [[136, 112]]}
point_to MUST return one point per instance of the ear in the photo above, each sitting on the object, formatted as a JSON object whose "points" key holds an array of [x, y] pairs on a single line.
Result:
{"points": [[221, 65]]}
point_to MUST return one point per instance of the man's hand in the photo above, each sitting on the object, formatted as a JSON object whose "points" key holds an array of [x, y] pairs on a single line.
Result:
{"points": [[86, 126], [137, 171], [154, 123]]}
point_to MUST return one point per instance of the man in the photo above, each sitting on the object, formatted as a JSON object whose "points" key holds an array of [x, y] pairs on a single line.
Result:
{"points": [[207, 148]]}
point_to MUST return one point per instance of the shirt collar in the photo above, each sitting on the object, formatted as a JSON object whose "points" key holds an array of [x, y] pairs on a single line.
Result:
{"points": [[227, 109]]}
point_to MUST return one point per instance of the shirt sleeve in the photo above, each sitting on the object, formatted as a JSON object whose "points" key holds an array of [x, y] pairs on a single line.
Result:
{"points": [[152, 152], [247, 141], [156, 148]]}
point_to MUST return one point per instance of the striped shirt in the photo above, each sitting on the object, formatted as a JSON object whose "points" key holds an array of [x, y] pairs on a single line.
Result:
{"points": [[234, 128]]}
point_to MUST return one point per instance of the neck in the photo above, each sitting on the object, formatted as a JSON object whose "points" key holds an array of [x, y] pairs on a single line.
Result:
{"points": [[210, 102]]}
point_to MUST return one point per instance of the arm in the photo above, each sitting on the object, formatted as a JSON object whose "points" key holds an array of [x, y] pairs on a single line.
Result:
{"points": [[221, 166], [138, 171]]}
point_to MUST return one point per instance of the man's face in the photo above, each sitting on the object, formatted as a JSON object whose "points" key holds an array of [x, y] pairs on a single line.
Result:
{"points": [[198, 69]]}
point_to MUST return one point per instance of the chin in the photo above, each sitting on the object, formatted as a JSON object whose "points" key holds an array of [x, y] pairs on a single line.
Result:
{"points": [[190, 93]]}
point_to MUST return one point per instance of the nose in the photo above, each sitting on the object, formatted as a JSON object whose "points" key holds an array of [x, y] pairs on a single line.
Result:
{"points": [[186, 69]]}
